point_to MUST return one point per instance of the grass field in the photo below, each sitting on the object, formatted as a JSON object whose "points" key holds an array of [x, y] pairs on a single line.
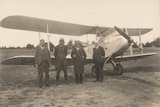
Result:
{"points": [[139, 86]]}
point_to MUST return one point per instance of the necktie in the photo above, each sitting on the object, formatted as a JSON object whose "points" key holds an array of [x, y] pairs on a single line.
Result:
{"points": [[60, 52]]}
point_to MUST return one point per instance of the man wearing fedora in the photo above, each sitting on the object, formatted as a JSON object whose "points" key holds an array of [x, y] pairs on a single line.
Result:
{"points": [[61, 61], [98, 59], [78, 54], [42, 62]]}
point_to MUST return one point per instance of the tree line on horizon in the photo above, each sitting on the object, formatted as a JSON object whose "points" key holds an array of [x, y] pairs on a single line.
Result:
{"points": [[155, 43], [28, 46]]}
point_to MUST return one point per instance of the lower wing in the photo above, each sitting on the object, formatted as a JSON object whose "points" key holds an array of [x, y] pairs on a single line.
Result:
{"points": [[29, 60], [133, 57]]}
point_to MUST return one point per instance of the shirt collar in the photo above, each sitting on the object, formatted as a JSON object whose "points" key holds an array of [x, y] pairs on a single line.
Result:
{"points": [[42, 47], [77, 48]]}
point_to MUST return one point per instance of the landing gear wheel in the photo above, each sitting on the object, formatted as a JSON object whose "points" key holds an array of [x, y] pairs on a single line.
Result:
{"points": [[93, 71], [118, 69]]}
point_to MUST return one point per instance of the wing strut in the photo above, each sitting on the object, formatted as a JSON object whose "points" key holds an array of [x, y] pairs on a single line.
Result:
{"points": [[48, 37], [39, 36], [140, 40]]}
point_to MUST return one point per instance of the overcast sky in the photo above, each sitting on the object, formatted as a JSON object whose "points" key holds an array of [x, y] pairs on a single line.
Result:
{"points": [[122, 13]]}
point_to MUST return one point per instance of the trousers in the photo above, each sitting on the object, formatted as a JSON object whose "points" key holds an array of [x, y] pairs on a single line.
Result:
{"points": [[79, 77], [43, 67], [62, 66], [99, 71]]}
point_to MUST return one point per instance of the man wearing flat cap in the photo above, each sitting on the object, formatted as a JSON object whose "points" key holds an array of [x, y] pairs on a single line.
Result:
{"points": [[61, 61], [78, 54], [98, 59]]}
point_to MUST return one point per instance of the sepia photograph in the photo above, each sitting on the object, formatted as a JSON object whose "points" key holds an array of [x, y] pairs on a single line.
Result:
{"points": [[79, 53]]}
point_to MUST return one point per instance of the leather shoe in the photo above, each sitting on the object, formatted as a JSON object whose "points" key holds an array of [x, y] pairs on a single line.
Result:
{"points": [[47, 85], [57, 83], [95, 80]]}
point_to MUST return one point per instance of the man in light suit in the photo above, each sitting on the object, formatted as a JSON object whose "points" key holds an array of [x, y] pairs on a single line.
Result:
{"points": [[42, 62], [98, 59]]}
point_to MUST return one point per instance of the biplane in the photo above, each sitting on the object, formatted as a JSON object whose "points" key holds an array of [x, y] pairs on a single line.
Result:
{"points": [[114, 40]]}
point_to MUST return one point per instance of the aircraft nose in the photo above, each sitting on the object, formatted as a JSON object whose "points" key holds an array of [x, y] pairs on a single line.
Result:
{"points": [[130, 40]]}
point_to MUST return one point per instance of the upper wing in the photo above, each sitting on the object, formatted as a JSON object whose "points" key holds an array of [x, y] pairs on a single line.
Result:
{"points": [[133, 57], [40, 25], [137, 31], [57, 27]]}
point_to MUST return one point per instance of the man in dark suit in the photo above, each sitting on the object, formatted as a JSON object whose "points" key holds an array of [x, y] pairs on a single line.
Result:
{"points": [[61, 61], [42, 62], [98, 59]]}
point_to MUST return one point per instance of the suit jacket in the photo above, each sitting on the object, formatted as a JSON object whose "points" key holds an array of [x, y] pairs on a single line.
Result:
{"points": [[60, 56], [60, 52], [38, 55], [98, 54]]}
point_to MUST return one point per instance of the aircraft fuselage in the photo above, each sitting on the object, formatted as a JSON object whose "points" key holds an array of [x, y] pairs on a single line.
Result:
{"points": [[114, 45]]}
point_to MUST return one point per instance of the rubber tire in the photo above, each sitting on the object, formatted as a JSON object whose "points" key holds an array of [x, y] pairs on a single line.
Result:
{"points": [[93, 71], [118, 69]]}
